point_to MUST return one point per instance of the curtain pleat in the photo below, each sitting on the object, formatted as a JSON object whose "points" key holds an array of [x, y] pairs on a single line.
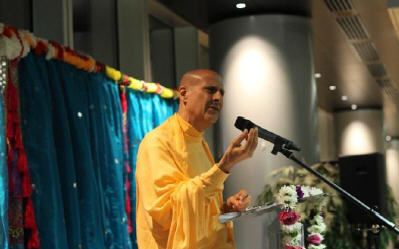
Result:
{"points": [[145, 112], [3, 183], [72, 127]]}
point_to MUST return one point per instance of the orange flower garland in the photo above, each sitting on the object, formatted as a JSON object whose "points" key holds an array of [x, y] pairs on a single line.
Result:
{"points": [[15, 44]]}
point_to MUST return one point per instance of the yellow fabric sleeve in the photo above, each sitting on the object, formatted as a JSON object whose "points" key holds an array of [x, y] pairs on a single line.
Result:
{"points": [[180, 212]]}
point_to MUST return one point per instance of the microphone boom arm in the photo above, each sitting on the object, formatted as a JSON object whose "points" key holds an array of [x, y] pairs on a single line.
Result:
{"points": [[290, 155]]}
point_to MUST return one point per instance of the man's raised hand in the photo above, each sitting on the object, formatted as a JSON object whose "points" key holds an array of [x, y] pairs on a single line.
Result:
{"points": [[236, 152]]}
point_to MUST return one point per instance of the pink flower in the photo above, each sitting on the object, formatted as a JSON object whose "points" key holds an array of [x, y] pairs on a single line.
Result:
{"points": [[288, 246], [288, 217], [314, 239]]}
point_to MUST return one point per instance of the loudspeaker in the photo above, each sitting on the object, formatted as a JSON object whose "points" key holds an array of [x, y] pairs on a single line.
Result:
{"points": [[364, 176]]}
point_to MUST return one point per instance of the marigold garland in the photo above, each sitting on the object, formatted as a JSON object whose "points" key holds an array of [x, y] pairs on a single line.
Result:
{"points": [[15, 44], [291, 226]]}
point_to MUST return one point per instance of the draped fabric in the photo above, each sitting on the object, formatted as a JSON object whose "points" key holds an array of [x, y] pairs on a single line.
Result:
{"points": [[145, 112], [73, 135], [22, 222], [3, 183]]}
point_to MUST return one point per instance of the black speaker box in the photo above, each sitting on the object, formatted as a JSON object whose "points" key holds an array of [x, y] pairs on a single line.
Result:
{"points": [[364, 176]]}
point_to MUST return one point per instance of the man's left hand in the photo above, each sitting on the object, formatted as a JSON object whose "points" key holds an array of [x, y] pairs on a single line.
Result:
{"points": [[238, 202]]}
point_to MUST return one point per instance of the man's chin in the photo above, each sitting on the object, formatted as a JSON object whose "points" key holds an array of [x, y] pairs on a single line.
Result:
{"points": [[212, 117]]}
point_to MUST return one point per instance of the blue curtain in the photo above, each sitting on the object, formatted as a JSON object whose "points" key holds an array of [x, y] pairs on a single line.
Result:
{"points": [[145, 112], [72, 133], [3, 183]]}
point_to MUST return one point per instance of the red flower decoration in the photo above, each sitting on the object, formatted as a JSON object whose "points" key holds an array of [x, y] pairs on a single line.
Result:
{"points": [[8, 31], [314, 239], [288, 217], [40, 48]]}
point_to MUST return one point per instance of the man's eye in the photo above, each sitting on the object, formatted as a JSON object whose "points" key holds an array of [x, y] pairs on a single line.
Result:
{"points": [[211, 90]]}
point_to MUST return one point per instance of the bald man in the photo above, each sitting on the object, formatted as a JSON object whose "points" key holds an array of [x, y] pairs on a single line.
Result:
{"points": [[179, 186]]}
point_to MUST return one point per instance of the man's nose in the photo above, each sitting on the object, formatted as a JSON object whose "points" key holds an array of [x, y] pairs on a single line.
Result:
{"points": [[218, 96]]}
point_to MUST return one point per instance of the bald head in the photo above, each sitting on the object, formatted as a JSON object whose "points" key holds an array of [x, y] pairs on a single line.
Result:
{"points": [[201, 97], [194, 77]]}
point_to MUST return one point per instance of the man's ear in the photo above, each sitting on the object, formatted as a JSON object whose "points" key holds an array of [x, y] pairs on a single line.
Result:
{"points": [[183, 93]]}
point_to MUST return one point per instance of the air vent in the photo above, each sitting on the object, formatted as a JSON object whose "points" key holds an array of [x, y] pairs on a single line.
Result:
{"points": [[366, 51], [339, 5], [377, 70], [353, 27], [389, 89]]}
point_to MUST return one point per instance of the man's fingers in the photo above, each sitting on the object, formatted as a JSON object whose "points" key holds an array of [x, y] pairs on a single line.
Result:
{"points": [[251, 140], [242, 194], [241, 137], [255, 140], [241, 205]]}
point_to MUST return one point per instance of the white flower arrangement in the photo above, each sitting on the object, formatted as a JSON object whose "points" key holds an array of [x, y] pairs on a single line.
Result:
{"points": [[25, 33], [14, 46], [288, 197], [318, 220], [317, 228], [25, 44], [315, 191], [313, 246], [51, 50], [292, 228], [10, 47], [94, 65]]}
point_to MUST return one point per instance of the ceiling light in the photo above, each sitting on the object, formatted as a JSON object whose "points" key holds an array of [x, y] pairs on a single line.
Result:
{"points": [[353, 107], [332, 88], [344, 98], [388, 138], [317, 75], [240, 5]]}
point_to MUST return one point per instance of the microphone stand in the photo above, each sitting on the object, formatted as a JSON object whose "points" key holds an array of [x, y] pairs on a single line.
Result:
{"points": [[279, 147]]}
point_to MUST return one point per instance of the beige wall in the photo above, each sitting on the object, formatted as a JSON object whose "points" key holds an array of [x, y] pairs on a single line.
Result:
{"points": [[326, 135], [359, 132]]}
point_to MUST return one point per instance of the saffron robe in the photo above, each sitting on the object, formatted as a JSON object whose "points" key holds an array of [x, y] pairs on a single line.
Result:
{"points": [[179, 191]]}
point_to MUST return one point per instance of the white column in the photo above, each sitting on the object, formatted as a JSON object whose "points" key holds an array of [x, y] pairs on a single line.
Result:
{"points": [[266, 64], [392, 164]]}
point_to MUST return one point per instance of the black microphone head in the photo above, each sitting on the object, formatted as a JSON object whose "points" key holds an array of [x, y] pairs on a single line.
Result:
{"points": [[242, 123], [291, 146]]}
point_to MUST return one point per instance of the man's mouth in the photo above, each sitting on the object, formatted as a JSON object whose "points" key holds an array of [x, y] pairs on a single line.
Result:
{"points": [[214, 107]]}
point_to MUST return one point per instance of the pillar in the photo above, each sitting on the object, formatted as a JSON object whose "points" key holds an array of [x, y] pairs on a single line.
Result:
{"points": [[266, 63]]}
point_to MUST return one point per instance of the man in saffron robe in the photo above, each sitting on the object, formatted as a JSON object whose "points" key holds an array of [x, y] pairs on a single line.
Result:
{"points": [[179, 186]]}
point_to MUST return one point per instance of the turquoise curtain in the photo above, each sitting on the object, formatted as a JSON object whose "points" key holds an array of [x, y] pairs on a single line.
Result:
{"points": [[72, 133], [3, 183], [145, 112]]}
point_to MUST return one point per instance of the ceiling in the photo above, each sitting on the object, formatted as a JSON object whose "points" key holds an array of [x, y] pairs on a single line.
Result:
{"points": [[356, 47], [201, 13]]}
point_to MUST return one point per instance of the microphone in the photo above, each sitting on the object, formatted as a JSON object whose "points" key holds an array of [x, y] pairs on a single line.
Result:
{"points": [[242, 123]]}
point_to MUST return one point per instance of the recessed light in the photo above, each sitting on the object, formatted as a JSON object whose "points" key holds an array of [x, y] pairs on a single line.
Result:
{"points": [[344, 98], [388, 138], [240, 5], [317, 75], [353, 107], [332, 88]]}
